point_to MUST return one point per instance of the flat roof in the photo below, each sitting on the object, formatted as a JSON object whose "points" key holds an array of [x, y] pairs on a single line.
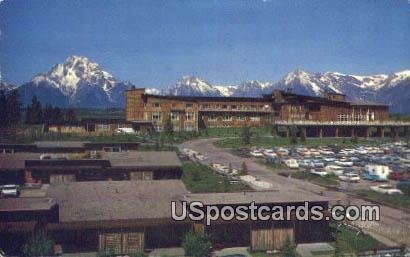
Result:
{"points": [[259, 197], [60, 144], [116, 200], [160, 159], [26, 204], [16, 161]]}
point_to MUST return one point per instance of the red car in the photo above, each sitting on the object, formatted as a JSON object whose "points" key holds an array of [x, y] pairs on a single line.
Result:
{"points": [[397, 175]]}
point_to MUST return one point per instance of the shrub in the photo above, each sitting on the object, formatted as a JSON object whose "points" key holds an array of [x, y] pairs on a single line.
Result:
{"points": [[289, 249], [197, 244], [38, 245]]}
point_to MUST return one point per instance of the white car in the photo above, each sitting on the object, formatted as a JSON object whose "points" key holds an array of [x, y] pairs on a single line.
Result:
{"points": [[269, 153], [256, 153], [10, 191], [386, 189], [125, 131], [317, 172], [292, 163], [349, 177], [344, 163], [337, 170]]}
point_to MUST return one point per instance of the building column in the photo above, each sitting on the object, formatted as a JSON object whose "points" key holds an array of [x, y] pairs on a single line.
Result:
{"points": [[336, 132], [353, 132], [320, 132], [367, 130], [287, 131], [380, 132], [304, 132]]}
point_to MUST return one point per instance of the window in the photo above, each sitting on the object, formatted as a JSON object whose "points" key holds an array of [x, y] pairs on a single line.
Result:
{"points": [[189, 127], [188, 106], [173, 105], [240, 118], [103, 126], [158, 128], [212, 117], [233, 107], [224, 106], [156, 116], [156, 105], [255, 118], [342, 117], [174, 116], [227, 117], [189, 116]]}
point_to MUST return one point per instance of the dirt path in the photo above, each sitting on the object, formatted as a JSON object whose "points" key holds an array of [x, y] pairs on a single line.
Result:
{"points": [[392, 229]]}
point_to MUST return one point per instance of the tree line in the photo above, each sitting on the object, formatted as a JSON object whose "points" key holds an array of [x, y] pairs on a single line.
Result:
{"points": [[11, 111]]}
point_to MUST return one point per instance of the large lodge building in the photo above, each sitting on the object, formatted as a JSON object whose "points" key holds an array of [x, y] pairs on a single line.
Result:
{"points": [[190, 113]]}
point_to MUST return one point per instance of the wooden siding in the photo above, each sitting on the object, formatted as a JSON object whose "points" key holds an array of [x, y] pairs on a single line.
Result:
{"points": [[121, 243]]}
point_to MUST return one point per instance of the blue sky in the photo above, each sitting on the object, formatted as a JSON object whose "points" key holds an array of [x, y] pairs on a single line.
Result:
{"points": [[154, 43]]}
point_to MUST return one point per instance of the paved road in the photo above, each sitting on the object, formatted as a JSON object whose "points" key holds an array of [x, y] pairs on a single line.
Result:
{"points": [[392, 229]]}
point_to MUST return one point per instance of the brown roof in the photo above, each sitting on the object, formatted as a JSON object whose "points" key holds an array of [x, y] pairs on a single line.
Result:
{"points": [[142, 159], [116, 200], [259, 197], [60, 144], [16, 161], [26, 204]]}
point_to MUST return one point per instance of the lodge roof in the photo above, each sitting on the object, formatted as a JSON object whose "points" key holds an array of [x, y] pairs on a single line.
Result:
{"points": [[138, 159], [208, 98], [113, 160], [259, 197], [116, 200], [60, 144], [26, 204]]}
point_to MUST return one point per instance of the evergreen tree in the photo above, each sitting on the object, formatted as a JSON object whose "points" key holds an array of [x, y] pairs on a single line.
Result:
{"points": [[246, 134], [70, 116], [57, 115], [168, 127], [48, 114], [13, 108], [3, 109], [34, 112], [289, 249], [197, 244]]}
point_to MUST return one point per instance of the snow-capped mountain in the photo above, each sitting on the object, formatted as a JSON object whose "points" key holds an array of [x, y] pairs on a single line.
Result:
{"points": [[6, 87], [76, 82], [393, 89]]}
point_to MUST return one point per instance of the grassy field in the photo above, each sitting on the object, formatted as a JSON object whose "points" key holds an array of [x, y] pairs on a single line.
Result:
{"points": [[328, 180], [199, 178], [402, 201], [348, 241], [282, 141]]}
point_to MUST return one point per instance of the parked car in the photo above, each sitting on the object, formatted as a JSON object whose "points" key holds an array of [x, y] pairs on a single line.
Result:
{"points": [[399, 175], [269, 153], [256, 153], [367, 176], [318, 172], [349, 177], [292, 163], [125, 131], [386, 189], [9, 191]]}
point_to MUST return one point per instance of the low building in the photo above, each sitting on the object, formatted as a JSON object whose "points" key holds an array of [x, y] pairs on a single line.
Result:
{"points": [[130, 216], [34, 168]]}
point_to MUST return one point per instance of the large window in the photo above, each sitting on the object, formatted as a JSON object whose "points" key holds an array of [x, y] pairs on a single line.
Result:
{"points": [[174, 116], [156, 105], [189, 116], [212, 117], [240, 118], [189, 127], [188, 106], [227, 117], [342, 117], [156, 116], [255, 118]]}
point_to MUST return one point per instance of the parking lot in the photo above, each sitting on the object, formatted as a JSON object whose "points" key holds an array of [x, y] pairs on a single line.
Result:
{"points": [[392, 229]]}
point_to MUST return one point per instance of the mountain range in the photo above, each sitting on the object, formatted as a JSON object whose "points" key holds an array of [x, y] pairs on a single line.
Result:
{"points": [[79, 82]]}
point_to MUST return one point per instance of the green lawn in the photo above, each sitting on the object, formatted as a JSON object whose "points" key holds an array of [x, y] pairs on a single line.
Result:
{"points": [[349, 241], [402, 201], [283, 141], [328, 180], [199, 178]]}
